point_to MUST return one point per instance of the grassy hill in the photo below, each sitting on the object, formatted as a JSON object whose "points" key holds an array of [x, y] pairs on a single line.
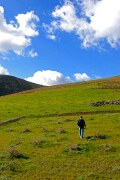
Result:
{"points": [[45, 143], [10, 85]]}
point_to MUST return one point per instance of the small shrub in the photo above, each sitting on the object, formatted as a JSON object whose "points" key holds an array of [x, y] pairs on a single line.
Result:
{"points": [[81, 178], [90, 138], [26, 130], [108, 148], [10, 166], [59, 122], [14, 167], [93, 175], [96, 136], [64, 139], [56, 143], [42, 143], [3, 167], [76, 148], [67, 120], [86, 144], [99, 136], [62, 130], [9, 130], [116, 169], [44, 130], [15, 143], [39, 142], [73, 150], [13, 153]]}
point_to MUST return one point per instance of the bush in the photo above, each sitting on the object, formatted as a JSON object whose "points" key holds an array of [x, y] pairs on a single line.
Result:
{"points": [[39, 142], [26, 130], [108, 148], [13, 153], [68, 120], [62, 130], [9, 130], [99, 136], [44, 130], [11, 166], [14, 167], [76, 148]]}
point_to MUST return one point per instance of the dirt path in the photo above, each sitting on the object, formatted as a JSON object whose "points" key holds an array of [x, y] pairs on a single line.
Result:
{"points": [[76, 113], [11, 120], [59, 115]]}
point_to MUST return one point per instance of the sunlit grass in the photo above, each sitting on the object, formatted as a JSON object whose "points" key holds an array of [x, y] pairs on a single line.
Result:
{"points": [[51, 145]]}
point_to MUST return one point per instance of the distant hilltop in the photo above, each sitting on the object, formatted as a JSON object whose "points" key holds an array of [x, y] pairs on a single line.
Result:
{"points": [[11, 84]]}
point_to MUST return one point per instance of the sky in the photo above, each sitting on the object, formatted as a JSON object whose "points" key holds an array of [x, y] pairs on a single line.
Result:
{"points": [[60, 41]]}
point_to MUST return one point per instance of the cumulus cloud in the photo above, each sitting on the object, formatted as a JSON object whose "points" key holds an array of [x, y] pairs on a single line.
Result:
{"points": [[97, 77], [93, 21], [52, 37], [81, 77], [32, 53], [48, 78], [16, 35], [3, 71]]}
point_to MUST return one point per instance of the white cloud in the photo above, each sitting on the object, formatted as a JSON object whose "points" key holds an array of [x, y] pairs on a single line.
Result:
{"points": [[91, 20], [81, 77], [3, 71], [48, 78], [67, 16], [97, 77], [32, 54], [52, 37], [16, 35]]}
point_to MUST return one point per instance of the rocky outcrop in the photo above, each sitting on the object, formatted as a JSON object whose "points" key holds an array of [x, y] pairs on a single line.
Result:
{"points": [[102, 103]]}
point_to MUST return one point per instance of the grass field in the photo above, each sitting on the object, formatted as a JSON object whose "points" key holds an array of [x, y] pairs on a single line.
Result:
{"points": [[45, 144]]}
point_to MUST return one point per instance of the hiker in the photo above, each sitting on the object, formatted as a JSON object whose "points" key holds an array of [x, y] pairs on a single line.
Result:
{"points": [[82, 125]]}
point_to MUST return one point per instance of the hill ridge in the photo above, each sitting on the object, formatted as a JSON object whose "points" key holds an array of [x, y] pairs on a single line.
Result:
{"points": [[10, 84]]}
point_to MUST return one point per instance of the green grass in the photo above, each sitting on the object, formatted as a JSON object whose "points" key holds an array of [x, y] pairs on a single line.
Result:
{"points": [[50, 147]]}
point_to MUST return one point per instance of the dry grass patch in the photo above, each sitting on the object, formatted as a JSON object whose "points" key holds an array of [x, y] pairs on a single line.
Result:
{"points": [[10, 130], [14, 153], [76, 148], [26, 130], [38, 142], [108, 148], [98, 135], [44, 130], [62, 130]]}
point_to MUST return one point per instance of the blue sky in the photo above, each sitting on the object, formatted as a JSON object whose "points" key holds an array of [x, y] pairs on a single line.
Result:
{"points": [[51, 42]]}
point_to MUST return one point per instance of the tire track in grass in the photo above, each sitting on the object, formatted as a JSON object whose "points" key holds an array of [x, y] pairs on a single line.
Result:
{"points": [[11, 120], [76, 113], [59, 115]]}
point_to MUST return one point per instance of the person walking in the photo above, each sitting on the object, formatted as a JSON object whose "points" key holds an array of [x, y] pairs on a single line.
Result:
{"points": [[81, 124]]}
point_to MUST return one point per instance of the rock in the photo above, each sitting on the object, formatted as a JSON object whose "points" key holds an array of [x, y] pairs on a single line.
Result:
{"points": [[102, 103]]}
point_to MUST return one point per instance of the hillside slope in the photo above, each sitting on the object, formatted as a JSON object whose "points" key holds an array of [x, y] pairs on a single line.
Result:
{"points": [[10, 85], [39, 136]]}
